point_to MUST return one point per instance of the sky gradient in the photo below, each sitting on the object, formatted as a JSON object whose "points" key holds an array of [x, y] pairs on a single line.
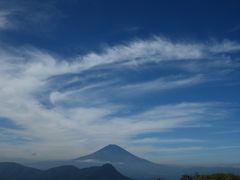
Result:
{"points": [[159, 78]]}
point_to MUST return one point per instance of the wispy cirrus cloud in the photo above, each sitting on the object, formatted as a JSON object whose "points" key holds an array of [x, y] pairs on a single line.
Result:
{"points": [[26, 74], [157, 141], [76, 127], [189, 149], [165, 83], [5, 22]]}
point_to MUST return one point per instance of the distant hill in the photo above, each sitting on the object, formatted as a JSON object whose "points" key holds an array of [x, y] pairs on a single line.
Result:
{"points": [[14, 171], [216, 176]]}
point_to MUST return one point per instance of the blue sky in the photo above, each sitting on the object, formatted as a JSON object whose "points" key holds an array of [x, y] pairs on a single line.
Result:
{"points": [[159, 78]]}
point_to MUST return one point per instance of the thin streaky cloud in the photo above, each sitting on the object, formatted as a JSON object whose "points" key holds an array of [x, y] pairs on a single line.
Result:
{"points": [[26, 73], [5, 22], [166, 141], [164, 84]]}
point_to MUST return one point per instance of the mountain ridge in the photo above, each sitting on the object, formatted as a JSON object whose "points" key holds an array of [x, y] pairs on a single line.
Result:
{"points": [[15, 171]]}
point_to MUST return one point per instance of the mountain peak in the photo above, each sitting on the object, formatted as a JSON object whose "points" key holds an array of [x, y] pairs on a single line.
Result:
{"points": [[111, 153], [113, 147]]}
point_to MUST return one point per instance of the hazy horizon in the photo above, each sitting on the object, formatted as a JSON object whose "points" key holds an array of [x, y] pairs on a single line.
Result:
{"points": [[159, 78]]}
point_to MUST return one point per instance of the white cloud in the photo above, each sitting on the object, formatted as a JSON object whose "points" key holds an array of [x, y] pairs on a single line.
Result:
{"points": [[182, 149], [26, 72], [5, 22], [226, 46], [164, 83], [165, 141]]}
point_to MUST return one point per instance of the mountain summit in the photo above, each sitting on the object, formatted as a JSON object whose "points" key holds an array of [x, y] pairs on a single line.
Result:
{"points": [[124, 161], [111, 153]]}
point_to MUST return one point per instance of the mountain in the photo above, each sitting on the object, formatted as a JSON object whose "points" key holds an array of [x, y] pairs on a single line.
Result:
{"points": [[112, 153], [125, 162], [133, 166], [14, 171], [138, 168], [105, 172]]}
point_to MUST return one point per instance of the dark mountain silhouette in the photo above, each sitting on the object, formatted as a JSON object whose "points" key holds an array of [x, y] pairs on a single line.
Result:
{"points": [[14, 171], [217, 176]]}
